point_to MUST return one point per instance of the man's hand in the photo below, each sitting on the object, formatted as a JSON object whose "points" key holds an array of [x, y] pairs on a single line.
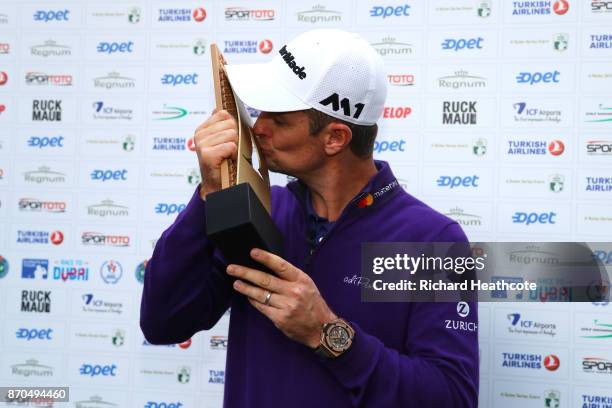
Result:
{"points": [[296, 307], [215, 140]]}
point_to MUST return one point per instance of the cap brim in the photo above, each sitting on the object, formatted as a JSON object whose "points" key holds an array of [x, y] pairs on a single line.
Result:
{"points": [[258, 87]]}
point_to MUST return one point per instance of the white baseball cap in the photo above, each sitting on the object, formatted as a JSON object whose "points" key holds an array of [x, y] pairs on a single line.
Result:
{"points": [[330, 70]]}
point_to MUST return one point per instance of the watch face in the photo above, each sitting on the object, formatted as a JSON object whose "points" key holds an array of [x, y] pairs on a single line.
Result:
{"points": [[338, 338]]}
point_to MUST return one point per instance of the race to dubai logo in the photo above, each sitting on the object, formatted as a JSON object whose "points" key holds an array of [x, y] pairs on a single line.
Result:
{"points": [[319, 14]]}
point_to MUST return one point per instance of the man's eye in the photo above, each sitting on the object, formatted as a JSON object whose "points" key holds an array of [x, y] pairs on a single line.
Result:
{"points": [[278, 121]]}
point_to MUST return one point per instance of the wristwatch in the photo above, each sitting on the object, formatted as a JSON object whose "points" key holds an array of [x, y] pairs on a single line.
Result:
{"points": [[336, 338]]}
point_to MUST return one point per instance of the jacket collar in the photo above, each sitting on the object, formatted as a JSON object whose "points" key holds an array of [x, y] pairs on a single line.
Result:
{"points": [[381, 187]]}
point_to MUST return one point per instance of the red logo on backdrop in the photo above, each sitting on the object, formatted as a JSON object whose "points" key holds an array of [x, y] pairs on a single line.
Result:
{"points": [[561, 7], [3, 78], [400, 79], [556, 148], [2, 108], [551, 362], [265, 46], [199, 14], [191, 144], [185, 344], [399, 112], [57, 237]]}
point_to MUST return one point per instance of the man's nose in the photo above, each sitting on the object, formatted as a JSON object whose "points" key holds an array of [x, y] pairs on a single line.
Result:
{"points": [[261, 127]]}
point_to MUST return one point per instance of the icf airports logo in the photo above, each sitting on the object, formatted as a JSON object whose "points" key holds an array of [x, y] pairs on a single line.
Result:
{"points": [[539, 8], [103, 111], [529, 113]]}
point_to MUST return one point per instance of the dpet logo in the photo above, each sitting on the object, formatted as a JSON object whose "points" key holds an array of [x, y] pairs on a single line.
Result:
{"points": [[319, 14], [389, 46], [50, 48]]}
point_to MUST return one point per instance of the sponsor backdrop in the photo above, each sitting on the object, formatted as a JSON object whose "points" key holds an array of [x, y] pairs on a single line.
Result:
{"points": [[499, 115]]}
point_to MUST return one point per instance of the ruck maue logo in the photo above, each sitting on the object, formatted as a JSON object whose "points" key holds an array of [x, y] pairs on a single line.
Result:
{"points": [[290, 61], [36, 301], [459, 112], [47, 110], [334, 100]]}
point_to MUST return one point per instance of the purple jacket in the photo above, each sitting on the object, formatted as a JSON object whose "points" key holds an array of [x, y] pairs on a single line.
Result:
{"points": [[403, 354]]}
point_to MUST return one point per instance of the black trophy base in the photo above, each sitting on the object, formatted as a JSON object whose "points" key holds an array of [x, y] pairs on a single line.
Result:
{"points": [[237, 222]]}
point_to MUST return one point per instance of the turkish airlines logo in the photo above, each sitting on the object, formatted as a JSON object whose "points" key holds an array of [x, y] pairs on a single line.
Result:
{"points": [[199, 14], [3, 78], [265, 46], [57, 237], [551, 362], [2, 108], [561, 7], [556, 148]]}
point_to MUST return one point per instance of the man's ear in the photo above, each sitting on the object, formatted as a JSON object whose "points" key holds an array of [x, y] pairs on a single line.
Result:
{"points": [[337, 138]]}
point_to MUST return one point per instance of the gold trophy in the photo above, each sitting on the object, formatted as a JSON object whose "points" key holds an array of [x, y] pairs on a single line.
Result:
{"points": [[238, 216]]}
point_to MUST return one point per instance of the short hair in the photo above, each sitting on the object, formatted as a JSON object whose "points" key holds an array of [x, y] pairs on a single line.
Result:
{"points": [[362, 142]]}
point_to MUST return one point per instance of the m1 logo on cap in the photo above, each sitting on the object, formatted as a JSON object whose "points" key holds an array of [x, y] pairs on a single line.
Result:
{"points": [[336, 103], [290, 61]]}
